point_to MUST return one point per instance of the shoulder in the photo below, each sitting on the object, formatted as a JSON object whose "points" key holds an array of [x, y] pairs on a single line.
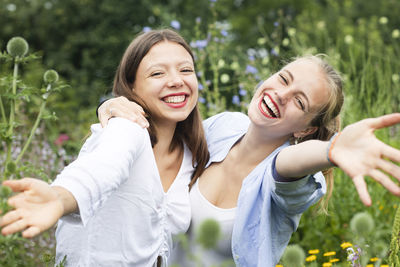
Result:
{"points": [[227, 120]]}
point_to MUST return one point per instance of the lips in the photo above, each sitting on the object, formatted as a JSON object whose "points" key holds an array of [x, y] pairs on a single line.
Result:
{"points": [[177, 100], [269, 108]]}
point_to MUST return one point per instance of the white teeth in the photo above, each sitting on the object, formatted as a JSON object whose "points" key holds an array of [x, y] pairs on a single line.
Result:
{"points": [[175, 99], [271, 106]]}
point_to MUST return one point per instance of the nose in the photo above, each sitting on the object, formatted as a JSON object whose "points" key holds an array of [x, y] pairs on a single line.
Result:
{"points": [[175, 80], [283, 95]]}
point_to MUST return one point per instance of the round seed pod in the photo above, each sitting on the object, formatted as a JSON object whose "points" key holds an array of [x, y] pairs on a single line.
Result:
{"points": [[293, 256], [208, 233], [50, 76], [362, 223], [17, 47]]}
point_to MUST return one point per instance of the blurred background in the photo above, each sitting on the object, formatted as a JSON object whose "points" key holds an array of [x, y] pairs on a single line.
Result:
{"points": [[237, 44]]}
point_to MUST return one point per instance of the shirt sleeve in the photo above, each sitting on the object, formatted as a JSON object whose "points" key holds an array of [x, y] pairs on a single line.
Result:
{"points": [[104, 164], [297, 196]]}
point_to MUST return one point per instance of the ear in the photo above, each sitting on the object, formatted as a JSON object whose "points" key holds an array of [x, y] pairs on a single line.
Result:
{"points": [[304, 133]]}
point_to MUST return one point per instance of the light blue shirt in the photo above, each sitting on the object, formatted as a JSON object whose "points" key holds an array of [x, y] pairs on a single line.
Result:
{"points": [[268, 211]]}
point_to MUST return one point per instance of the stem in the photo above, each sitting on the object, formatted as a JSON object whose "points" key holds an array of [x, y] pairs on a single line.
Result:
{"points": [[12, 104], [38, 118], [3, 113]]}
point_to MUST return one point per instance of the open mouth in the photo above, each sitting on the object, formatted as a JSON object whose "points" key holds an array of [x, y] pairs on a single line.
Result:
{"points": [[269, 108], [175, 100]]}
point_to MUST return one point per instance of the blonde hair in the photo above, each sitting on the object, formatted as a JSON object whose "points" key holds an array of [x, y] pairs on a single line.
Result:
{"points": [[327, 118]]}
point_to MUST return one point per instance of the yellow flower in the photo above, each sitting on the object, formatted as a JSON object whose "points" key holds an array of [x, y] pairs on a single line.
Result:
{"points": [[334, 260], [369, 265], [345, 245], [326, 264], [384, 265], [374, 259], [313, 251], [279, 265], [330, 253], [311, 258]]}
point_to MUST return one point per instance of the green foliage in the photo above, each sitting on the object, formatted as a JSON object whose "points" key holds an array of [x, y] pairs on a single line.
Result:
{"points": [[209, 233], [293, 256]]}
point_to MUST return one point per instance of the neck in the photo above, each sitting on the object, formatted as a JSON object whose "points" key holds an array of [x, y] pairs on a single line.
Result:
{"points": [[165, 135], [256, 145]]}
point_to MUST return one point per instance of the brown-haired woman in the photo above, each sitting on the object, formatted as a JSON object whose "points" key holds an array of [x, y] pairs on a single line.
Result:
{"points": [[265, 168], [126, 195]]}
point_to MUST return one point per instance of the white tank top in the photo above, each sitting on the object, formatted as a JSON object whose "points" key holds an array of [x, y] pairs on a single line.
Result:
{"points": [[202, 209]]}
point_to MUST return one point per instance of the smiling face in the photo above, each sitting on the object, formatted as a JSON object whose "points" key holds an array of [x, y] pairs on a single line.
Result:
{"points": [[286, 102], [167, 83]]}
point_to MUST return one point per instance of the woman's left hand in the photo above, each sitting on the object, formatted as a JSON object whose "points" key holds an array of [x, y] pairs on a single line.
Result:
{"points": [[359, 153]]}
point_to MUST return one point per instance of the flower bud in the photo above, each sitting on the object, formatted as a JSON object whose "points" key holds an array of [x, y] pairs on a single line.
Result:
{"points": [[362, 223], [50, 76], [293, 256], [208, 233], [11, 167], [17, 47], [5, 191]]}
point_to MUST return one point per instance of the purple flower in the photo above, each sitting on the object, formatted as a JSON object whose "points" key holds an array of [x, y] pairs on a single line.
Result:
{"points": [[213, 1], [146, 29], [224, 33], [198, 20], [202, 100], [242, 92], [201, 87], [274, 52], [276, 23], [252, 58], [175, 24], [236, 100], [251, 69], [200, 44]]}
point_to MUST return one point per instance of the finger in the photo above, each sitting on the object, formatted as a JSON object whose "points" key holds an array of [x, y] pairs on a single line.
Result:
{"points": [[385, 181], [15, 201], [103, 120], [384, 121], [138, 107], [10, 217], [14, 227], [361, 187], [32, 231], [18, 185], [389, 168], [391, 152]]}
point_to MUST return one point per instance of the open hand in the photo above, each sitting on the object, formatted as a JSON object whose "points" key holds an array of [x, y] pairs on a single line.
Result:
{"points": [[359, 153], [36, 208], [123, 108]]}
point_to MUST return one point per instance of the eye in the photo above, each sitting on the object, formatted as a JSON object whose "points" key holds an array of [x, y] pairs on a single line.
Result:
{"points": [[283, 79], [189, 70], [300, 103], [156, 73]]}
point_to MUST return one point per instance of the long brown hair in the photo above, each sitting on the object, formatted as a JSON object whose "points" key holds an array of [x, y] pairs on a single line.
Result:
{"points": [[190, 131]]}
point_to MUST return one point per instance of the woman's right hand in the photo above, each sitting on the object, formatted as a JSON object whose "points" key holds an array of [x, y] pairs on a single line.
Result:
{"points": [[123, 108], [37, 207]]}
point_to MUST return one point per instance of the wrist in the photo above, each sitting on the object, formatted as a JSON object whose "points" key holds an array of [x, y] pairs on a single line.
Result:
{"points": [[66, 200], [330, 147]]}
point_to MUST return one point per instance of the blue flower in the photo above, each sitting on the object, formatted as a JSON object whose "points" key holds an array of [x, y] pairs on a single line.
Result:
{"points": [[175, 24], [251, 69], [276, 24], [213, 1], [242, 92], [274, 52], [236, 100], [201, 87], [200, 44], [202, 100], [224, 33], [146, 29], [252, 58], [198, 19]]}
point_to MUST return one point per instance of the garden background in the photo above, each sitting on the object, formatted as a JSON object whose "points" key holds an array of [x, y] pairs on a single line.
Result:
{"points": [[237, 43]]}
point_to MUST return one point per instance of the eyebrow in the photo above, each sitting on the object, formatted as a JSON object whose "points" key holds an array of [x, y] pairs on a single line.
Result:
{"points": [[163, 65], [301, 93]]}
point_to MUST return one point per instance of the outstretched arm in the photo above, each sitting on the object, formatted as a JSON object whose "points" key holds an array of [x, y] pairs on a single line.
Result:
{"points": [[356, 151], [37, 207], [123, 108]]}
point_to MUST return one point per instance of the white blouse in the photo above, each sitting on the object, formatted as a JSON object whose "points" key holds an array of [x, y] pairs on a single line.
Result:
{"points": [[125, 217]]}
